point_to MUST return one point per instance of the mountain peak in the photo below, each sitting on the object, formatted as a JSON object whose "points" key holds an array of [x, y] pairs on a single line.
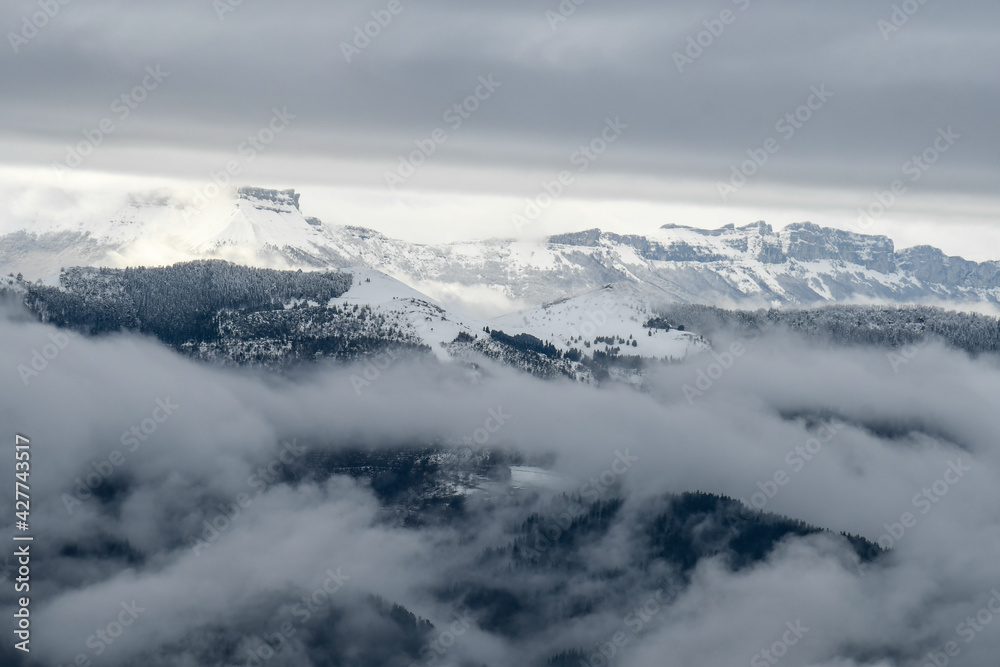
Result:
{"points": [[760, 227], [279, 201]]}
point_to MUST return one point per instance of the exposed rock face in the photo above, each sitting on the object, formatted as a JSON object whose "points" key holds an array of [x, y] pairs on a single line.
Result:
{"points": [[279, 201]]}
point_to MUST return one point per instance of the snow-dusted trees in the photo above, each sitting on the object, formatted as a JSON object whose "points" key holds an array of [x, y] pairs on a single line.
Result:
{"points": [[176, 303]]}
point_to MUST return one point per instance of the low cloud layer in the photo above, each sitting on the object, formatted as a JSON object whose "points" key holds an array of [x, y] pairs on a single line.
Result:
{"points": [[915, 441]]}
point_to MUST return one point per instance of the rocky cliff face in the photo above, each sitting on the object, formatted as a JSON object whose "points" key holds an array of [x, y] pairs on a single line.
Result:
{"points": [[279, 201]]}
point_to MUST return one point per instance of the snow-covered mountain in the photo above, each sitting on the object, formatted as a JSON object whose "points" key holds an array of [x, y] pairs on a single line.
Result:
{"points": [[253, 226], [229, 314], [617, 312], [267, 225], [614, 316], [752, 265]]}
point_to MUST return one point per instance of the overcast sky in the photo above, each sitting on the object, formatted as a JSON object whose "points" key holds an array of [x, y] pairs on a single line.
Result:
{"points": [[690, 117]]}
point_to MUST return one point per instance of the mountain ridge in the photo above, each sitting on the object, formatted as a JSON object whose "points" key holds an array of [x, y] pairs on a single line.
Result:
{"points": [[747, 266]]}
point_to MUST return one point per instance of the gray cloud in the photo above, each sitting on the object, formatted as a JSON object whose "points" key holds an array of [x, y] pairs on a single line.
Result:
{"points": [[604, 60], [901, 430]]}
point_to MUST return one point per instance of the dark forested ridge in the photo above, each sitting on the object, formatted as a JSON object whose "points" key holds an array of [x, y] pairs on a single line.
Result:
{"points": [[223, 312], [883, 326], [521, 562], [176, 304], [534, 571], [659, 544]]}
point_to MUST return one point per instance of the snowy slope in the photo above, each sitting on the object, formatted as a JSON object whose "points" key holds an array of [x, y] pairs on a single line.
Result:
{"points": [[268, 225], [417, 313], [234, 315], [617, 311], [439, 328], [250, 226]]}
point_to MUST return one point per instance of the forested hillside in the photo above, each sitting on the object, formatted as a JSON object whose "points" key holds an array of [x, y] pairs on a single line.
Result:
{"points": [[176, 304], [221, 312], [886, 326]]}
